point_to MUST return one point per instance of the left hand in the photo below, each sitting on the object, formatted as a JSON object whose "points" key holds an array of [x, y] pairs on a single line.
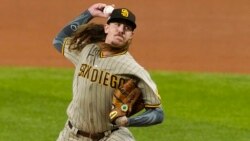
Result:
{"points": [[121, 121]]}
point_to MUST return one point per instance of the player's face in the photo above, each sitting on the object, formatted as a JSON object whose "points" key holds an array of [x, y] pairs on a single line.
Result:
{"points": [[118, 34]]}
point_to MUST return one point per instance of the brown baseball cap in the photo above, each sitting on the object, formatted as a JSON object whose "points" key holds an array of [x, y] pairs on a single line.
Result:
{"points": [[122, 15]]}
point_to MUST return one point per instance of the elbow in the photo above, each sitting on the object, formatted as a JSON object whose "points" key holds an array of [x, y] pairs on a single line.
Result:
{"points": [[57, 44], [54, 42]]}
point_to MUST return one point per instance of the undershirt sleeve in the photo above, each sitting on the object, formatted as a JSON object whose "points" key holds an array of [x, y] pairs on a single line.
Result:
{"points": [[70, 28]]}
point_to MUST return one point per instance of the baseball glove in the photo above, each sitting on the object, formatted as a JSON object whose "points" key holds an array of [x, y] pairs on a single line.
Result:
{"points": [[127, 100]]}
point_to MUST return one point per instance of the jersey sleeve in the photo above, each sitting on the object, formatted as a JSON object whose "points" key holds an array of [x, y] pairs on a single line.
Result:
{"points": [[72, 55], [150, 93]]}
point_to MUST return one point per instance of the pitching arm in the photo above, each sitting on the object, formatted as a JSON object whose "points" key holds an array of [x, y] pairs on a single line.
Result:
{"points": [[149, 117], [70, 28]]}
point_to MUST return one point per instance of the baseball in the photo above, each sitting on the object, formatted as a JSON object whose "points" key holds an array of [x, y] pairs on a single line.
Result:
{"points": [[108, 9]]}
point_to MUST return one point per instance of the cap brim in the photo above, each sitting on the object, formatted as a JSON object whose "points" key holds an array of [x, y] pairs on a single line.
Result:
{"points": [[132, 24]]}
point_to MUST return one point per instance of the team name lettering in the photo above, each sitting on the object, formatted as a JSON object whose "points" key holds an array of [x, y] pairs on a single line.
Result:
{"points": [[100, 76]]}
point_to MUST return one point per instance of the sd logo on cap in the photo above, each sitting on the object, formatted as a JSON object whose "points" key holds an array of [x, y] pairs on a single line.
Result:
{"points": [[122, 14]]}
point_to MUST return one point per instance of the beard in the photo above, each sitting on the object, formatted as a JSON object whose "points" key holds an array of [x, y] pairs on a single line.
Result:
{"points": [[124, 46], [115, 48]]}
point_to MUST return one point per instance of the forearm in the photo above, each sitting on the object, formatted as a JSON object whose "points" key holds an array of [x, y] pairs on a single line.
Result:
{"points": [[149, 117], [70, 28]]}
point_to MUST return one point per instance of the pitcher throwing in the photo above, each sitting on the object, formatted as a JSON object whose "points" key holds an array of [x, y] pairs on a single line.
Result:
{"points": [[108, 82]]}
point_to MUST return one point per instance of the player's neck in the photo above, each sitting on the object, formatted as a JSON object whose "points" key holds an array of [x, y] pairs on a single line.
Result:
{"points": [[108, 50]]}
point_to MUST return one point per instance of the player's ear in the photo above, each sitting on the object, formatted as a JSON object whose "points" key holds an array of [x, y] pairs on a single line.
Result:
{"points": [[106, 28], [131, 36]]}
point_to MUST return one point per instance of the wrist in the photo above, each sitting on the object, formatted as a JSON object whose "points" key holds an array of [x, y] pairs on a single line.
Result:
{"points": [[88, 15], [122, 121]]}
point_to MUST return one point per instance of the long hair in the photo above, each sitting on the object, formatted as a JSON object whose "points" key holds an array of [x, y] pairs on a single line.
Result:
{"points": [[86, 34]]}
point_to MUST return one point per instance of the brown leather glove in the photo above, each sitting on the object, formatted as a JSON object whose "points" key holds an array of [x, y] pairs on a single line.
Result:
{"points": [[127, 100]]}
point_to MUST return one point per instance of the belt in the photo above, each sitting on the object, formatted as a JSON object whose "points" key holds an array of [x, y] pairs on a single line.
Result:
{"points": [[94, 136]]}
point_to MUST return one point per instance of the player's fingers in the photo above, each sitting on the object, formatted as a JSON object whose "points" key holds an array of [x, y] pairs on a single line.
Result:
{"points": [[101, 6], [98, 7], [96, 10]]}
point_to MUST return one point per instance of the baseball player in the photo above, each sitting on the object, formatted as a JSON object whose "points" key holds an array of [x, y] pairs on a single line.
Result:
{"points": [[102, 64]]}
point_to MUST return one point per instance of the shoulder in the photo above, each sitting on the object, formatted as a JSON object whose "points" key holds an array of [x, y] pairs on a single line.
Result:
{"points": [[72, 47], [128, 63], [128, 58]]}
